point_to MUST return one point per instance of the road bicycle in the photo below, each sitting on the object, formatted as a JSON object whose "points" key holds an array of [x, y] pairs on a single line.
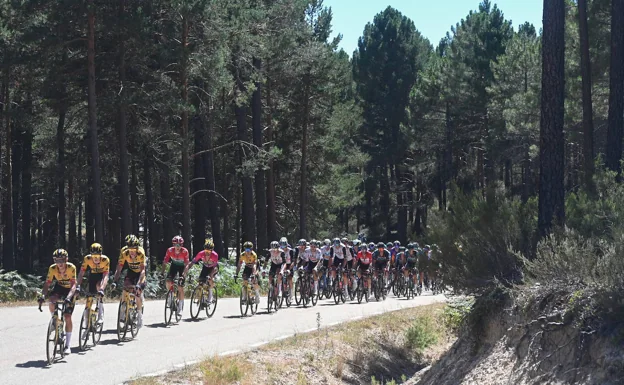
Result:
{"points": [[379, 284], [338, 287], [55, 337], [398, 288], [248, 300], [171, 302], [199, 299], [128, 315], [304, 288], [89, 325], [286, 298], [411, 289], [351, 285], [274, 300], [325, 284], [362, 287]]}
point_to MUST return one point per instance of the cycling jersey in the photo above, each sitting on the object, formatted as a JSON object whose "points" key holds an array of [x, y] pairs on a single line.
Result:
{"points": [[134, 264], [277, 256], [411, 257], [65, 279], [249, 258], [381, 257], [208, 259], [288, 254], [365, 257], [326, 250], [299, 253], [102, 267], [349, 253], [313, 256], [181, 259], [338, 251]]}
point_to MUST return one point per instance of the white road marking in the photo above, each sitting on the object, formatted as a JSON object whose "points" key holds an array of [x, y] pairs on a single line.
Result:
{"points": [[309, 330], [257, 344], [283, 337], [356, 318], [229, 352], [154, 374]]}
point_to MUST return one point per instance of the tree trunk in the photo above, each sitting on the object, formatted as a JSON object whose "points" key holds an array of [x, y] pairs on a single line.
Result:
{"points": [[89, 219], [212, 197], [149, 207], [261, 202], [93, 142], [225, 212], [166, 210], [508, 168], [588, 118], [186, 198], [8, 252], [16, 161], [271, 209], [402, 211], [200, 203], [40, 246], [134, 198], [615, 119], [26, 262], [124, 191], [60, 142], [72, 241], [79, 230], [552, 191], [303, 192], [384, 199]]}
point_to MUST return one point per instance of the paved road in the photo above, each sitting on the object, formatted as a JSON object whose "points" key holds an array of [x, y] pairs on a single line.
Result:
{"points": [[159, 348]]}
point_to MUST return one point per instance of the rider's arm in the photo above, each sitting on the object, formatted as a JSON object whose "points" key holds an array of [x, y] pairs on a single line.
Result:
{"points": [[83, 268], [142, 274], [118, 270], [165, 262], [46, 285]]}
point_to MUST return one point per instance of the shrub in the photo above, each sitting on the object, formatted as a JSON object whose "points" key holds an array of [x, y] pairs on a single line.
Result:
{"points": [[16, 287], [423, 333]]}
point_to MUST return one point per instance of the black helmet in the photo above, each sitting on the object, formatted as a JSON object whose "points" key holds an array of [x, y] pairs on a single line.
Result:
{"points": [[381, 245]]}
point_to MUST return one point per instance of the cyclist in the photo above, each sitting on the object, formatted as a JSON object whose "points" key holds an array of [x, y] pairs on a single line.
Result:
{"points": [[338, 252], [210, 259], [98, 266], [381, 257], [134, 256], [410, 259], [178, 255], [423, 262], [64, 273], [250, 259], [290, 258], [364, 260], [312, 258], [371, 247], [278, 264], [301, 247]]}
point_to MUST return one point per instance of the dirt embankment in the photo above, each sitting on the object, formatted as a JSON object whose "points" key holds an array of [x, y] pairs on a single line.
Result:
{"points": [[541, 337]]}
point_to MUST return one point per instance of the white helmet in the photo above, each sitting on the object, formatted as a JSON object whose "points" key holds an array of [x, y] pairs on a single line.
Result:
{"points": [[327, 242]]}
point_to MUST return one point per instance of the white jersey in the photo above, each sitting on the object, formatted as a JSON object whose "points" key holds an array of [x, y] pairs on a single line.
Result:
{"points": [[349, 254], [338, 251], [286, 250], [277, 256], [312, 256], [326, 250]]}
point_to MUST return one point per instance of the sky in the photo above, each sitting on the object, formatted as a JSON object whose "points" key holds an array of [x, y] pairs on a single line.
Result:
{"points": [[433, 18]]}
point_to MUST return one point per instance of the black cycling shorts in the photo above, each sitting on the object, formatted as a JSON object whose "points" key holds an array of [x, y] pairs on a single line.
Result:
{"points": [[350, 264], [247, 271], [174, 270], [60, 293], [338, 262], [132, 278], [206, 272], [364, 267], [94, 280], [310, 266], [380, 265], [275, 268], [325, 263]]}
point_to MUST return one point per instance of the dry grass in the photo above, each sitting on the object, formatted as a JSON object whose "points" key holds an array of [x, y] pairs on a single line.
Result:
{"points": [[350, 353]]}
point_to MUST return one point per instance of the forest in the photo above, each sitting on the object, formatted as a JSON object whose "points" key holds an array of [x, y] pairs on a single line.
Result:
{"points": [[243, 120]]}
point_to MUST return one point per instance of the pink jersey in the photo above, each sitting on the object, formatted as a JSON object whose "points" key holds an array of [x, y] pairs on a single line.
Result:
{"points": [[209, 260], [178, 259]]}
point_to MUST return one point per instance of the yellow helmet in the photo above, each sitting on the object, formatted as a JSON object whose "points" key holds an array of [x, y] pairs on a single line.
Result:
{"points": [[96, 248], [60, 254], [209, 244]]}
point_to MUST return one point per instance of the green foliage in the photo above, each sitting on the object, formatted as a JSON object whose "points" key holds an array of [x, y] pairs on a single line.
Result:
{"points": [[490, 234], [424, 332], [456, 311], [16, 287]]}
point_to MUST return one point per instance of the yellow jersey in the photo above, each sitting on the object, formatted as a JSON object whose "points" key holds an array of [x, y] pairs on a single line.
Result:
{"points": [[65, 279], [136, 263], [99, 268], [250, 258]]}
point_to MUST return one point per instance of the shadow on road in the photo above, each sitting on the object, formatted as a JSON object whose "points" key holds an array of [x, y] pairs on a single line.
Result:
{"points": [[157, 325], [110, 331], [114, 341], [233, 316], [35, 364]]}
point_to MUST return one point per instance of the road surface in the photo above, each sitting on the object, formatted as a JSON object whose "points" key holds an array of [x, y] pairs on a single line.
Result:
{"points": [[157, 348]]}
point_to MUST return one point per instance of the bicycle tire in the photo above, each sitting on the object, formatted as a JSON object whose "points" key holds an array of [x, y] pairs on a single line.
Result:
{"points": [[122, 318], [85, 330], [51, 341], [134, 326], [170, 306], [197, 298], [298, 292], [212, 306], [313, 297], [253, 306], [270, 299], [97, 331]]}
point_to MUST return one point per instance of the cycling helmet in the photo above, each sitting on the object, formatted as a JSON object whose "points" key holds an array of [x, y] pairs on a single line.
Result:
{"points": [[275, 244], [208, 244], [283, 241], [248, 245], [344, 241], [307, 243], [314, 243], [410, 246], [389, 245], [302, 242], [132, 240], [178, 239], [96, 248], [326, 242], [60, 254], [401, 249], [371, 246], [381, 245], [356, 242], [336, 241], [397, 243], [427, 247]]}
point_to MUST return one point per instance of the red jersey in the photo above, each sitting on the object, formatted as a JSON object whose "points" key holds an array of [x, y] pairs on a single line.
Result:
{"points": [[209, 260], [179, 259], [365, 257]]}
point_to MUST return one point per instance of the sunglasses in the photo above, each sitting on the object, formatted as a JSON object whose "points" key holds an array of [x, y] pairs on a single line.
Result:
{"points": [[177, 244], [247, 250]]}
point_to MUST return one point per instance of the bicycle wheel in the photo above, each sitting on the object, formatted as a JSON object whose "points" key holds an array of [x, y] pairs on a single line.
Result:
{"points": [[270, 299], [178, 314], [360, 291], [122, 318], [51, 341], [313, 297], [197, 298], [134, 322], [85, 330], [212, 305], [97, 327], [286, 296], [170, 307], [336, 291], [243, 303], [298, 292], [253, 306]]}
